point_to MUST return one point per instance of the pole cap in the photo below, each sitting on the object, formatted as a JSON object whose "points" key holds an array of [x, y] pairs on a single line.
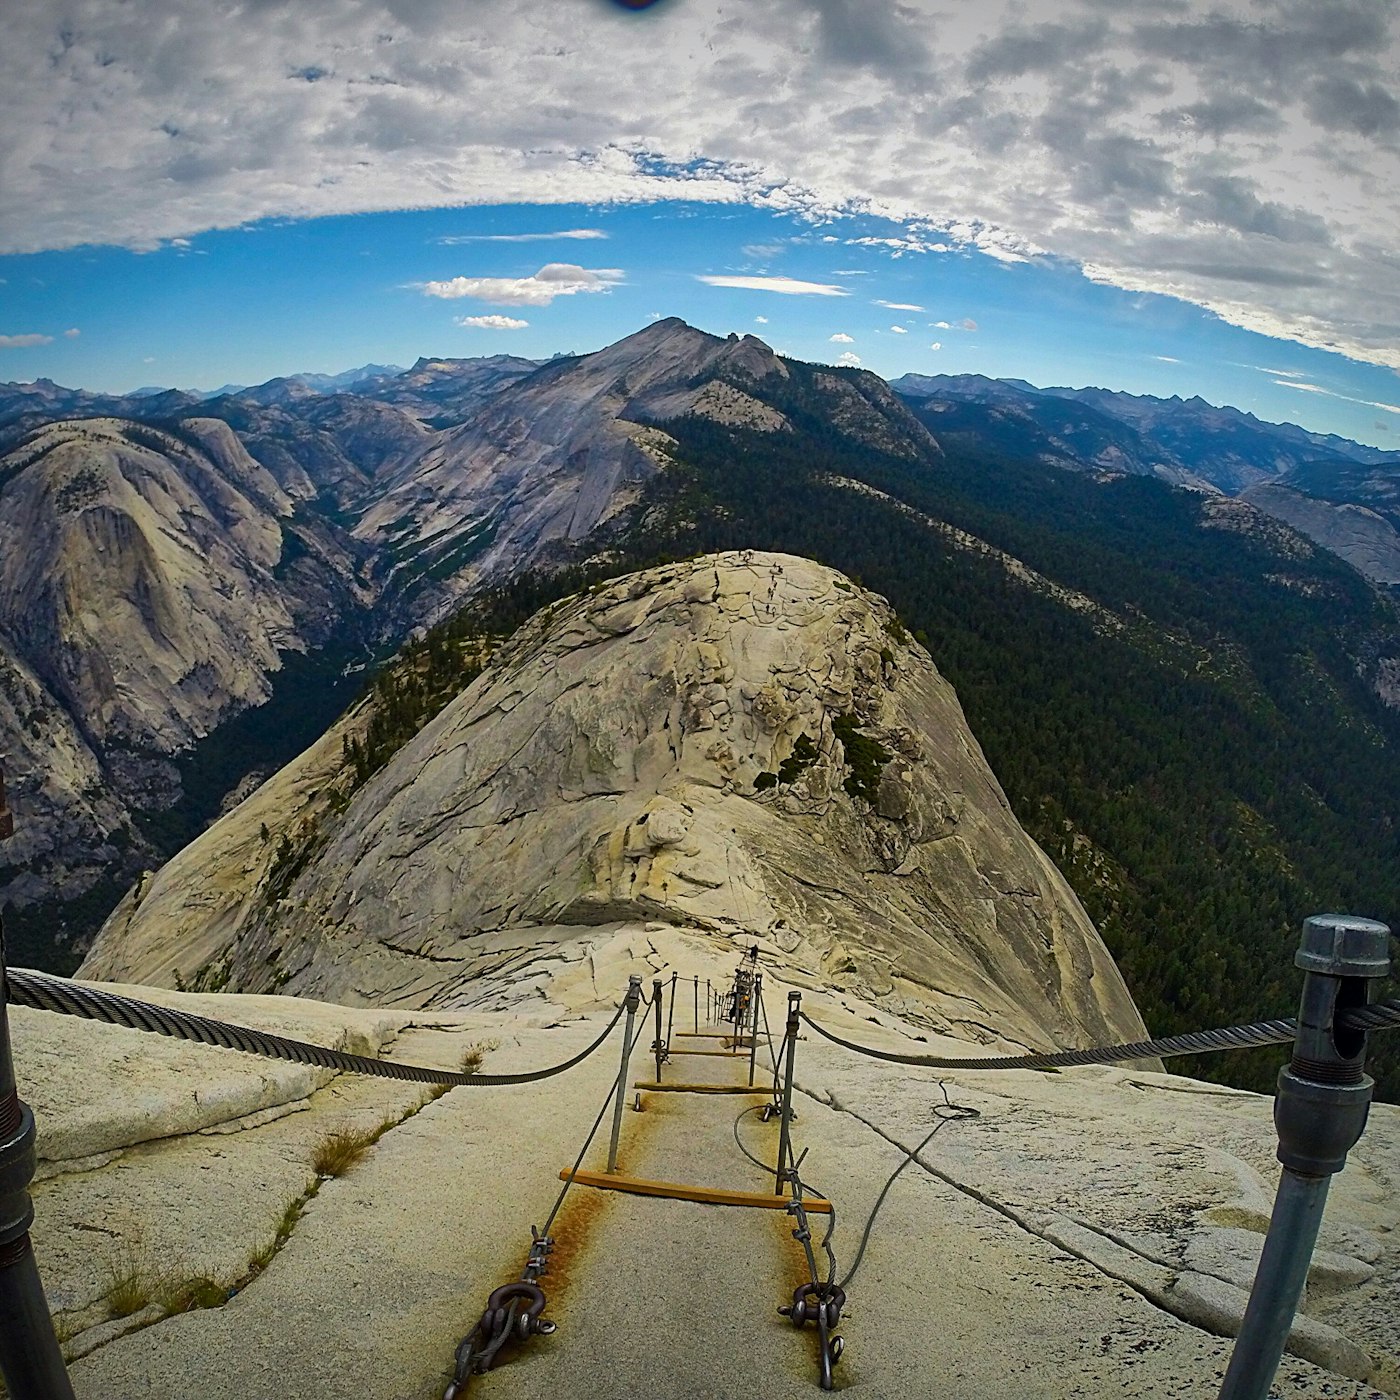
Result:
{"points": [[1342, 945]]}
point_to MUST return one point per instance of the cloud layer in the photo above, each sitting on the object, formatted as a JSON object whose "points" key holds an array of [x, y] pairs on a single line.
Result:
{"points": [[1242, 154]]}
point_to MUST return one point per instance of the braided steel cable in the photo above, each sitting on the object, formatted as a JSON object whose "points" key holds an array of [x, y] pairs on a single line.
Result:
{"points": [[1380, 1016], [46, 993]]}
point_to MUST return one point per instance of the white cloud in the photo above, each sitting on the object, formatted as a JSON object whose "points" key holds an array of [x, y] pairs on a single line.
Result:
{"points": [[1232, 153], [841, 338], [574, 233], [943, 325], [788, 286], [760, 320], [937, 345], [849, 358], [1167, 359], [898, 305], [539, 289], [72, 333], [492, 323], [23, 342], [899, 330], [967, 324]]}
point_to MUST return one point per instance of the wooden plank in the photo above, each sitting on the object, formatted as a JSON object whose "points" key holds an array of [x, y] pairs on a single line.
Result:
{"points": [[700, 1088], [708, 1035], [681, 1191], [728, 1054]]}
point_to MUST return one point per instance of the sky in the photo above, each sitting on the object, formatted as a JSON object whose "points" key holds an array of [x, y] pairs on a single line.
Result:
{"points": [[1174, 197]]}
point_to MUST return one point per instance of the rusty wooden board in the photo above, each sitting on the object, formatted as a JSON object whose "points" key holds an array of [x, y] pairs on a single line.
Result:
{"points": [[682, 1191], [700, 1088]]}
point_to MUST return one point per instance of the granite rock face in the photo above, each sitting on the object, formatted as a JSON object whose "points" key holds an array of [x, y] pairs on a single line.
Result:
{"points": [[1364, 538], [150, 582], [1091, 1233], [744, 743]]}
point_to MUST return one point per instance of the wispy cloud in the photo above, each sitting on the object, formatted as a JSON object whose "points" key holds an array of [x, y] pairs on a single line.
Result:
{"points": [[841, 338], [72, 333], [23, 342], [899, 330], [492, 323], [548, 236], [967, 324], [787, 286], [760, 320], [899, 306], [1167, 359], [552, 280], [1308, 388]]}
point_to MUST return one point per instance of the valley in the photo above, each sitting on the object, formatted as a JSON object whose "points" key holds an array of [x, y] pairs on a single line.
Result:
{"points": [[1190, 703]]}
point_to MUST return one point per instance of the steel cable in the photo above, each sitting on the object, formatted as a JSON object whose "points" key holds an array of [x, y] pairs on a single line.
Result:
{"points": [[593, 1131], [1382, 1015], [45, 993], [954, 1111]]}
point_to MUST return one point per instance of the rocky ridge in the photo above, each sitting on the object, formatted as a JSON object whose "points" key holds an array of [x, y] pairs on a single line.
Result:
{"points": [[563, 453], [744, 743]]}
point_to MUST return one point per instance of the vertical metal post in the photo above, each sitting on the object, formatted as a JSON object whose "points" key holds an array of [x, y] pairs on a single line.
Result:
{"points": [[697, 1003], [634, 999], [753, 1027], [785, 1133], [30, 1359], [658, 1045], [1320, 1112], [671, 1009], [709, 1003]]}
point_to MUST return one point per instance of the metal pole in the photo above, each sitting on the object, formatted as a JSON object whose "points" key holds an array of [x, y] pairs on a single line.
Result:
{"points": [[671, 1009], [753, 1027], [709, 1003], [1320, 1112], [658, 1045], [697, 1004], [30, 1359], [634, 999], [785, 1133]]}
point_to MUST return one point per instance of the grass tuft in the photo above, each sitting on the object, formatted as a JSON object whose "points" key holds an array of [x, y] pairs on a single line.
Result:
{"points": [[131, 1289], [337, 1152]]}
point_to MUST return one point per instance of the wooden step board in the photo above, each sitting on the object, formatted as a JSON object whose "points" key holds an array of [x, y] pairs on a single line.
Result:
{"points": [[680, 1191], [728, 1054], [700, 1088], [709, 1035]]}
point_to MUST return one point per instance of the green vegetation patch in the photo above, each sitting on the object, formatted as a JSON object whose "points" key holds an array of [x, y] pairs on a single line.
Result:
{"points": [[865, 757]]}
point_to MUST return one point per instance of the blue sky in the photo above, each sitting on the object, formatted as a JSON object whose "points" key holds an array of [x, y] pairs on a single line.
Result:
{"points": [[325, 294], [1172, 196]]}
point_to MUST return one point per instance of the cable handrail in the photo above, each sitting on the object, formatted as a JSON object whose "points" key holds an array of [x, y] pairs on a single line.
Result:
{"points": [[1381, 1015], [44, 992]]}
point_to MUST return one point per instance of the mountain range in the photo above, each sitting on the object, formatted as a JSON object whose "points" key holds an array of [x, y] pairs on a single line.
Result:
{"points": [[1191, 704]]}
